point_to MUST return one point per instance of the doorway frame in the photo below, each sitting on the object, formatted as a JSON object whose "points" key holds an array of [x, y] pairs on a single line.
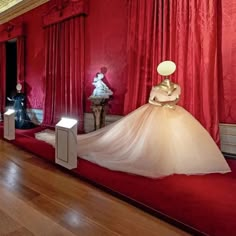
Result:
{"points": [[9, 32]]}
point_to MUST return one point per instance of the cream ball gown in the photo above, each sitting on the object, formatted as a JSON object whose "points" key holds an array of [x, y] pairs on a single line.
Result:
{"points": [[158, 139]]}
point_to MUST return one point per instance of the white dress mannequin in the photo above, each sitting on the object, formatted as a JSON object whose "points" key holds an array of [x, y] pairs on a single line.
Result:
{"points": [[158, 139]]}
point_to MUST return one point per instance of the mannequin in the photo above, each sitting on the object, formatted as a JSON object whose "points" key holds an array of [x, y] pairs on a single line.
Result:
{"points": [[99, 98], [22, 120], [166, 93], [101, 89], [158, 139]]}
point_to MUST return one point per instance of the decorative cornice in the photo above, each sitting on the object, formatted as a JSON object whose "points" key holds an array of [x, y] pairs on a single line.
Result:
{"points": [[64, 9], [11, 31], [19, 9]]}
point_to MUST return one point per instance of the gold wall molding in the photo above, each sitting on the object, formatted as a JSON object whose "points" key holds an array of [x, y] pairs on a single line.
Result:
{"points": [[19, 9]]}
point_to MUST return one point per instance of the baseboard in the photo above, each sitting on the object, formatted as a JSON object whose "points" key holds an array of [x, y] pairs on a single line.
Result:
{"points": [[228, 139], [89, 121], [36, 116]]}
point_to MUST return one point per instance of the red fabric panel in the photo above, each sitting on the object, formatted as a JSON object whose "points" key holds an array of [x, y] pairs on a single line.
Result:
{"points": [[145, 43], [64, 71], [35, 146], [106, 30], [2, 77], [26, 140], [227, 65], [61, 10], [105, 47], [206, 203], [34, 56], [174, 30], [193, 46]]}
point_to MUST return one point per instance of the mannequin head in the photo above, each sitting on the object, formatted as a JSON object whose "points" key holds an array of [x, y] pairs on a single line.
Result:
{"points": [[99, 76], [166, 68], [18, 87]]}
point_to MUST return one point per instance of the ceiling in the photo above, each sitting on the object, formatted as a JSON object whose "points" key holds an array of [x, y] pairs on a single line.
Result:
{"points": [[6, 4], [10, 9]]}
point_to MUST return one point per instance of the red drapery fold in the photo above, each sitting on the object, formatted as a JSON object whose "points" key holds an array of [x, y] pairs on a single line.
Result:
{"points": [[21, 61], [183, 31], [148, 44], [227, 56], [64, 71], [2, 78], [194, 49], [60, 10], [141, 39]]}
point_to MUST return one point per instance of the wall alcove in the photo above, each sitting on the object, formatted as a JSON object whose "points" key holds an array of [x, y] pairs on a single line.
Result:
{"points": [[12, 41], [11, 69]]}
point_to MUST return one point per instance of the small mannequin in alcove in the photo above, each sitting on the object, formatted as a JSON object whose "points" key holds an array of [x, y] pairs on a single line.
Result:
{"points": [[22, 120]]}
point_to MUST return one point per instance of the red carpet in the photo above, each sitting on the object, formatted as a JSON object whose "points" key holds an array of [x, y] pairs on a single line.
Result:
{"points": [[206, 203]]}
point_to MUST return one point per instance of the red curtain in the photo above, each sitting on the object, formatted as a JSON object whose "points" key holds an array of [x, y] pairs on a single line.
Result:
{"points": [[142, 38], [183, 31], [64, 71], [2, 78], [21, 61], [227, 65]]}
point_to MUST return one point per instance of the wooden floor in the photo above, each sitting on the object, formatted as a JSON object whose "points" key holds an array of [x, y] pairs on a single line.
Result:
{"points": [[37, 198]]}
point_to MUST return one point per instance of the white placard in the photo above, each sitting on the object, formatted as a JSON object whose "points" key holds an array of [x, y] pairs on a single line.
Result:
{"points": [[9, 124], [66, 143]]}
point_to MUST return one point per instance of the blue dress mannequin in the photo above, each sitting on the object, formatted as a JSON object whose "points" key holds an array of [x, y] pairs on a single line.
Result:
{"points": [[22, 120]]}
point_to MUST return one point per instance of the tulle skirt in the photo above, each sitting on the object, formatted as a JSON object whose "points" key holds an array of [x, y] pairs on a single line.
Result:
{"points": [[154, 141]]}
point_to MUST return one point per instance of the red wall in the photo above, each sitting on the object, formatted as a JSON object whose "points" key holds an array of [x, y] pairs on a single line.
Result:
{"points": [[106, 31], [34, 58], [105, 39]]}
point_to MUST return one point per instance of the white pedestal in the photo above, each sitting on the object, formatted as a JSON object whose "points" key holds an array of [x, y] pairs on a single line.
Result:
{"points": [[9, 124], [66, 143]]}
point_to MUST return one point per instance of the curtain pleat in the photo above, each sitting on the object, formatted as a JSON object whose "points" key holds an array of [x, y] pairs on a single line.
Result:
{"points": [[64, 71], [183, 31]]}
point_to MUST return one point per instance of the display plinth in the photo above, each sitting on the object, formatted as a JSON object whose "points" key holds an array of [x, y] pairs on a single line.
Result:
{"points": [[66, 143], [9, 124], [99, 106]]}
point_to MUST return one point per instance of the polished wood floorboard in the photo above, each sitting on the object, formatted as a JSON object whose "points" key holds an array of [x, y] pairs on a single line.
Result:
{"points": [[37, 198]]}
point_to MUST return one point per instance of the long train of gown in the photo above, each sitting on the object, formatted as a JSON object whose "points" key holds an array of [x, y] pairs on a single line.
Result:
{"points": [[154, 141]]}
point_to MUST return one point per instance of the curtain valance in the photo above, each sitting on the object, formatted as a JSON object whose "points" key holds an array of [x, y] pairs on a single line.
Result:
{"points": [[60, 10], [10, 31]]}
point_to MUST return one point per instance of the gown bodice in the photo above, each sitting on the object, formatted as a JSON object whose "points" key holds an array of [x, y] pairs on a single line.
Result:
{"points": [[162, 96]]}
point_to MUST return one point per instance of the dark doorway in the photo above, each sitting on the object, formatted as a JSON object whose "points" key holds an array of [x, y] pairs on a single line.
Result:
{"points": [[11, 70]]}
